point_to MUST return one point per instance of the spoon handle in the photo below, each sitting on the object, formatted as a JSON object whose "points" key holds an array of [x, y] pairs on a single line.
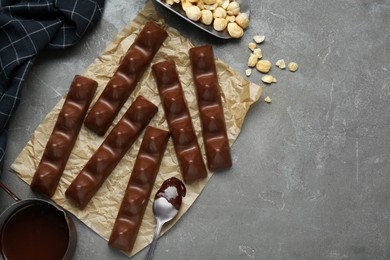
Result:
{"points": [[153, 245]]}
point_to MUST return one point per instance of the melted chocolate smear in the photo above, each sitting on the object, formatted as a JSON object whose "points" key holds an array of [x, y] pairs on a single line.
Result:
{"points": [[172, 190], [36, 231]]}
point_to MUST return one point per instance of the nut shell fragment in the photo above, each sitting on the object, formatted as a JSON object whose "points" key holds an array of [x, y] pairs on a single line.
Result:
{"points": [[292, 66], [268, 79], [280, 64]]}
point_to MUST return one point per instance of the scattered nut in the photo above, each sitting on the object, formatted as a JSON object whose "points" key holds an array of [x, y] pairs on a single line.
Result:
{"points": [[235, 30], [252, 61], [263, 66], [233, 8], [242, 20], [252, 46], [281, 64], [292, 66], [258, 53], [193, 13], [268, 79], [206, 17], [267, 99], [248, 72], [220, 24], [259, 38]]}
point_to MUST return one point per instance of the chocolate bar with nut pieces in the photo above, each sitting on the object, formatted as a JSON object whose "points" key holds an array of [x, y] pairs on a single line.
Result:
{"points": [[111, 151], [139, 188], [179, 121], [125, 79], [64, 135], [210, 108]]}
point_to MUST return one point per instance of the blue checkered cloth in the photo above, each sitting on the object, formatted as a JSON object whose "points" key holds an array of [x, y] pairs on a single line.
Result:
{"points": [[27, 27]]}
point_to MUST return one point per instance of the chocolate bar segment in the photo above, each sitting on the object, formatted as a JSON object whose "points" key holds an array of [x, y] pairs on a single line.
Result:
{"points": [[179, 121], [210, 108], [139, 188], [125, 79], [64, 135], [111, 151]]}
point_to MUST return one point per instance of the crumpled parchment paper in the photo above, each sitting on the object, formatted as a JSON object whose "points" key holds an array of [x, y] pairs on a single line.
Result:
{"points": [[237, 96]]}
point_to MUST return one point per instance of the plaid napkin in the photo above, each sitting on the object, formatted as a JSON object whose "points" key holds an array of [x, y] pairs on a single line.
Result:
{"points": [[28, 26]]}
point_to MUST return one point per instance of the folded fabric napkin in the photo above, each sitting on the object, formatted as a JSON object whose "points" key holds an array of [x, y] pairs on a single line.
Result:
{"points": [[27, 27]]}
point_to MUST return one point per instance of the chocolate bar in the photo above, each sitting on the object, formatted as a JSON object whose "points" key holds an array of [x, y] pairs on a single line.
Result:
{"points": [[179, 121], [64, 135], [210, 108], [110, 152], [139, 188], [125, 79]]}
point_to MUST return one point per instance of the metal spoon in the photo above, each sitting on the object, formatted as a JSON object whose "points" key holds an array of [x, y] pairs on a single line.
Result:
{"points": [[166, 205], [163, 212]]}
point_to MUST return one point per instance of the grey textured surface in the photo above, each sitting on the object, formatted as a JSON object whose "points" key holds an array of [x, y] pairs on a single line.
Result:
{"points": [[311, 170]]}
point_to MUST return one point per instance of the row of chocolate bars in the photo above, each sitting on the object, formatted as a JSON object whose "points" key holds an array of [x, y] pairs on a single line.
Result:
{"points": [[131, 125]]}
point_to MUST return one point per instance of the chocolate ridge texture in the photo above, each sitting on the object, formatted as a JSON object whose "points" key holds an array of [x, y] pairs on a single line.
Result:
{"points": [[139, 188], [64, 135], [179, 121], [125, 79], [111, 151], [211, 113]]}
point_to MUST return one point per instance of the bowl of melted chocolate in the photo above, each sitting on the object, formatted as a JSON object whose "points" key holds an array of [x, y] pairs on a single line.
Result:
{"points": [[36, 229]]}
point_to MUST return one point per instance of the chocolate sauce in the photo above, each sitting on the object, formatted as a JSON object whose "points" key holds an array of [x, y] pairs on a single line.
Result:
{"points": [[35, 231], [172, 190]]}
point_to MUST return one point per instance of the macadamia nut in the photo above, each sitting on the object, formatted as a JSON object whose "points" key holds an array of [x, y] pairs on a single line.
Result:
{"points": [[263, 66], [233, 8], [206, 17], [219, 13], [235, 30], [193, 13], [242, 20], [220, 24], [259, 38]]}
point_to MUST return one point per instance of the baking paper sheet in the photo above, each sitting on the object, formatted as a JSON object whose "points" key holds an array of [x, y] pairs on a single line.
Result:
{"points": [[238, 95]]}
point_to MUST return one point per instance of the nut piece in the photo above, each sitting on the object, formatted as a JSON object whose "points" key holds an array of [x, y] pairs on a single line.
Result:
{"points": [[235, 30], [267, 99], [259, 38], [233, 8], [252, 46], [258, 53], [252, 61], [193, 13], [281, 64], [206, 17], [242, 20], [219, 13], [292, 66], [263, 66], [220, 24], [209, 2], [268, 79], [248, 72], [230, 18]]}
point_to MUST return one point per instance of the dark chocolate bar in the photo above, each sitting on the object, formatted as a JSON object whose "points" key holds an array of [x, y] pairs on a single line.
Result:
{"points": [[210, 108], [179, 121], [125, 79], [111, 151], [139, 188], [64, 135]]}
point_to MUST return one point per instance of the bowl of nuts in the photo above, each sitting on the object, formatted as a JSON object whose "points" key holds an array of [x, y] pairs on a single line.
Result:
{"points": [[225, 19]]}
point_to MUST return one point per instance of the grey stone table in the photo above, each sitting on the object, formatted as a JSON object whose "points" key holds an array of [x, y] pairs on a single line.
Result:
{"points": [[311, 171]]}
